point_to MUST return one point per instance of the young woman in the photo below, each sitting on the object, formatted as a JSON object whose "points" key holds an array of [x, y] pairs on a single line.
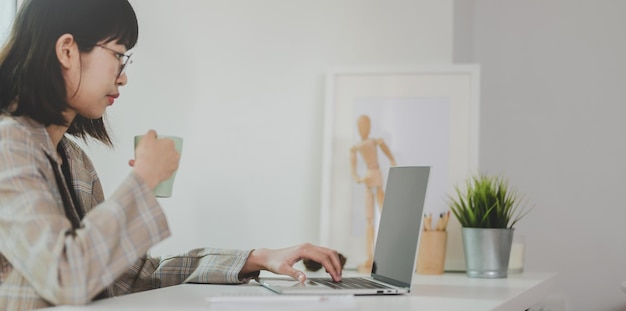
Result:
{"points": [[60, 241]]}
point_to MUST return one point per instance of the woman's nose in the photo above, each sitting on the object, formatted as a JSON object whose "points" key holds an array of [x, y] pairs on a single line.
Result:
{"points": [[122, 79]]}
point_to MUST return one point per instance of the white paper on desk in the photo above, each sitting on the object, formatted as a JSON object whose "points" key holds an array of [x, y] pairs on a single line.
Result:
{"points": [[280, 302]]}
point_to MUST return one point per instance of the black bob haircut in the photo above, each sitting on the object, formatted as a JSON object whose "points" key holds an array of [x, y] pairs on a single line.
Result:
{"points": [[30, 73]]}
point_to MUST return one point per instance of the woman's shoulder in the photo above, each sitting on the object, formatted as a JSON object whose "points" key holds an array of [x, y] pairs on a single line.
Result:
{"points": [[22, 141], [8, 121], [18, 128]]}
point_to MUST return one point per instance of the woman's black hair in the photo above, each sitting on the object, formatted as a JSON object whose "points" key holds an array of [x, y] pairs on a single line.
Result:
{"points": [[30, 72]]}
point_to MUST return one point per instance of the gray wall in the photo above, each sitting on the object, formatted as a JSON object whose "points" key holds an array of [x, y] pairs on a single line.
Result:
{"points": [[552, 119]]}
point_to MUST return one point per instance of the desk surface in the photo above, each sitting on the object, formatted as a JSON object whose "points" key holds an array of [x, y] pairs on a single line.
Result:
{"points": [[451, 291]]}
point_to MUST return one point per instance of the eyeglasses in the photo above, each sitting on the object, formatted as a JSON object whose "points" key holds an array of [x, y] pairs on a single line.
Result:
{"points": [[125, 59]]}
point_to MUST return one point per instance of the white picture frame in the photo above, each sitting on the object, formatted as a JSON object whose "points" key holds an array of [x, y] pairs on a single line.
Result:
{"points": [[391, 96]]}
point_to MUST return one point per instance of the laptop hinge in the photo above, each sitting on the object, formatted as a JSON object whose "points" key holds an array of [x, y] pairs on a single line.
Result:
{"points": [[393, 282]]}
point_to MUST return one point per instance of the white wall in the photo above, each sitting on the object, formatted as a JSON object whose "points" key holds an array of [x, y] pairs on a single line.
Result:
{"points": [[7, 11], [243, 82], [552, 119]]}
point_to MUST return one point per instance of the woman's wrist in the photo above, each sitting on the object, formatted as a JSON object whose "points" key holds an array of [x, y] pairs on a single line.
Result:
{"points": [[255, 262], [145, 177]]}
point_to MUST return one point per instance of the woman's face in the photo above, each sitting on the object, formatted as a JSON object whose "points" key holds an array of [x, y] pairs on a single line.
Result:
{"points": [[94, 84]]}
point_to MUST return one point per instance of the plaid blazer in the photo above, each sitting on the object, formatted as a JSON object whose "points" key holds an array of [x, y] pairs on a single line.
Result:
{"points": [[46, 260]]}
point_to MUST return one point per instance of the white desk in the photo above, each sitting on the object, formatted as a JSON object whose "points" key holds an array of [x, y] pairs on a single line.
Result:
{"points": [[451, 291]]}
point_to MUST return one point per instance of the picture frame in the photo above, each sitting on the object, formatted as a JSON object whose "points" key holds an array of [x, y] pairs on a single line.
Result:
{"points": [[426, 115]]}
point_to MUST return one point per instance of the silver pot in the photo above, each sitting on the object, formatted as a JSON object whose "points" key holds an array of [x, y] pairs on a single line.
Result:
{"points": [[487, 252]]}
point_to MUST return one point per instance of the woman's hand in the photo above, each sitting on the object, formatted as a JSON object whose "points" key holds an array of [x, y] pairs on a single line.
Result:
{"points": [[155, 159], [281, 261]]}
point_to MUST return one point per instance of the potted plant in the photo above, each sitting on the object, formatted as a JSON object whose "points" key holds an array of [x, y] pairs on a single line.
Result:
{"points": [[487, 210]]}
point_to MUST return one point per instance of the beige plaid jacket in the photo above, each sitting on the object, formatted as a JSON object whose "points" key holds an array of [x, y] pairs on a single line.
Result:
{"points": [[44, 261]]}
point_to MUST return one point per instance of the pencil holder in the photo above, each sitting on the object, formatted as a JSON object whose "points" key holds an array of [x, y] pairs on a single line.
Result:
{"points": [[431, 254]]}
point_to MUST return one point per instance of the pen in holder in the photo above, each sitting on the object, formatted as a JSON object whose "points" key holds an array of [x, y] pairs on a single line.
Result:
{"points": [[431, 255]]}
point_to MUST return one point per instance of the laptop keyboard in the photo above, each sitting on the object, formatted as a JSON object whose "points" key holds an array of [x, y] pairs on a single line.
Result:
{"points": [[349, 283]]}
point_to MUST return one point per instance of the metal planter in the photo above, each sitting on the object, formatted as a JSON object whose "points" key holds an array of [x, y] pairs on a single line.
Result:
{"points": [[487, 252]]}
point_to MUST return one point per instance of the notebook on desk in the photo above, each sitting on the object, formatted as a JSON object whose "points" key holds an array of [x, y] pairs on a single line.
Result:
{"points": [[396, 243]]}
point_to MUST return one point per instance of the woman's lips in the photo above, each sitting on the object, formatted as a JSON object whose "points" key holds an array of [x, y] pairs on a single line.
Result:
{"points": [[112, 98]]}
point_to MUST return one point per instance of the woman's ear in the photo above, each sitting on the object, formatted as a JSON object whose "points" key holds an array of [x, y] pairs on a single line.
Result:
{"points": [[67, 50]]}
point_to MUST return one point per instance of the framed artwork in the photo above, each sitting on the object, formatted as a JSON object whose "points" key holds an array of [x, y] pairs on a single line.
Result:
{"points": [[423, 116]]}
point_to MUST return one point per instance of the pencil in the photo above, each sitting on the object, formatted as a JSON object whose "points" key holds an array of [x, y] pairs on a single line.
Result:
{"points": [[428, 222], [440, 223], [446, 218]]}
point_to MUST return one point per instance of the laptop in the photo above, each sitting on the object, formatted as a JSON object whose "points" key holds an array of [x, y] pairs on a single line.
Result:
{"points": [[396, 244]]}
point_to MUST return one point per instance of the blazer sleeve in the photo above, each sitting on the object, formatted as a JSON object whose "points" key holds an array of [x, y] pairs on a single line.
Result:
{"points": [[202, 265], [67, 266]]}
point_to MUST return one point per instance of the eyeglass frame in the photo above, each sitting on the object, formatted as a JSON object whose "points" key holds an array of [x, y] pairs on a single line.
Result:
{"points": [[125, 58]]}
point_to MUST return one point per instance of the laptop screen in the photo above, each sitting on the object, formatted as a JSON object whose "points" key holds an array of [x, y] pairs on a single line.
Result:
{"points": [[400, 224]]}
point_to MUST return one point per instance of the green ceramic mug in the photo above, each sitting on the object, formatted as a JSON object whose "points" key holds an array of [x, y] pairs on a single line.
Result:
{"points": [[165, 188]]}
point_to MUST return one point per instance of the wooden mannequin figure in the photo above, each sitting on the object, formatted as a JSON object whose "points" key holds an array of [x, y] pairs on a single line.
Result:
{"points": [[373, 180]]}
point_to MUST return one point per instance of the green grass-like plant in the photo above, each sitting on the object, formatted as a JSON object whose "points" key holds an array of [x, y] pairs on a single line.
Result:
{"points": [[487, 202]]}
